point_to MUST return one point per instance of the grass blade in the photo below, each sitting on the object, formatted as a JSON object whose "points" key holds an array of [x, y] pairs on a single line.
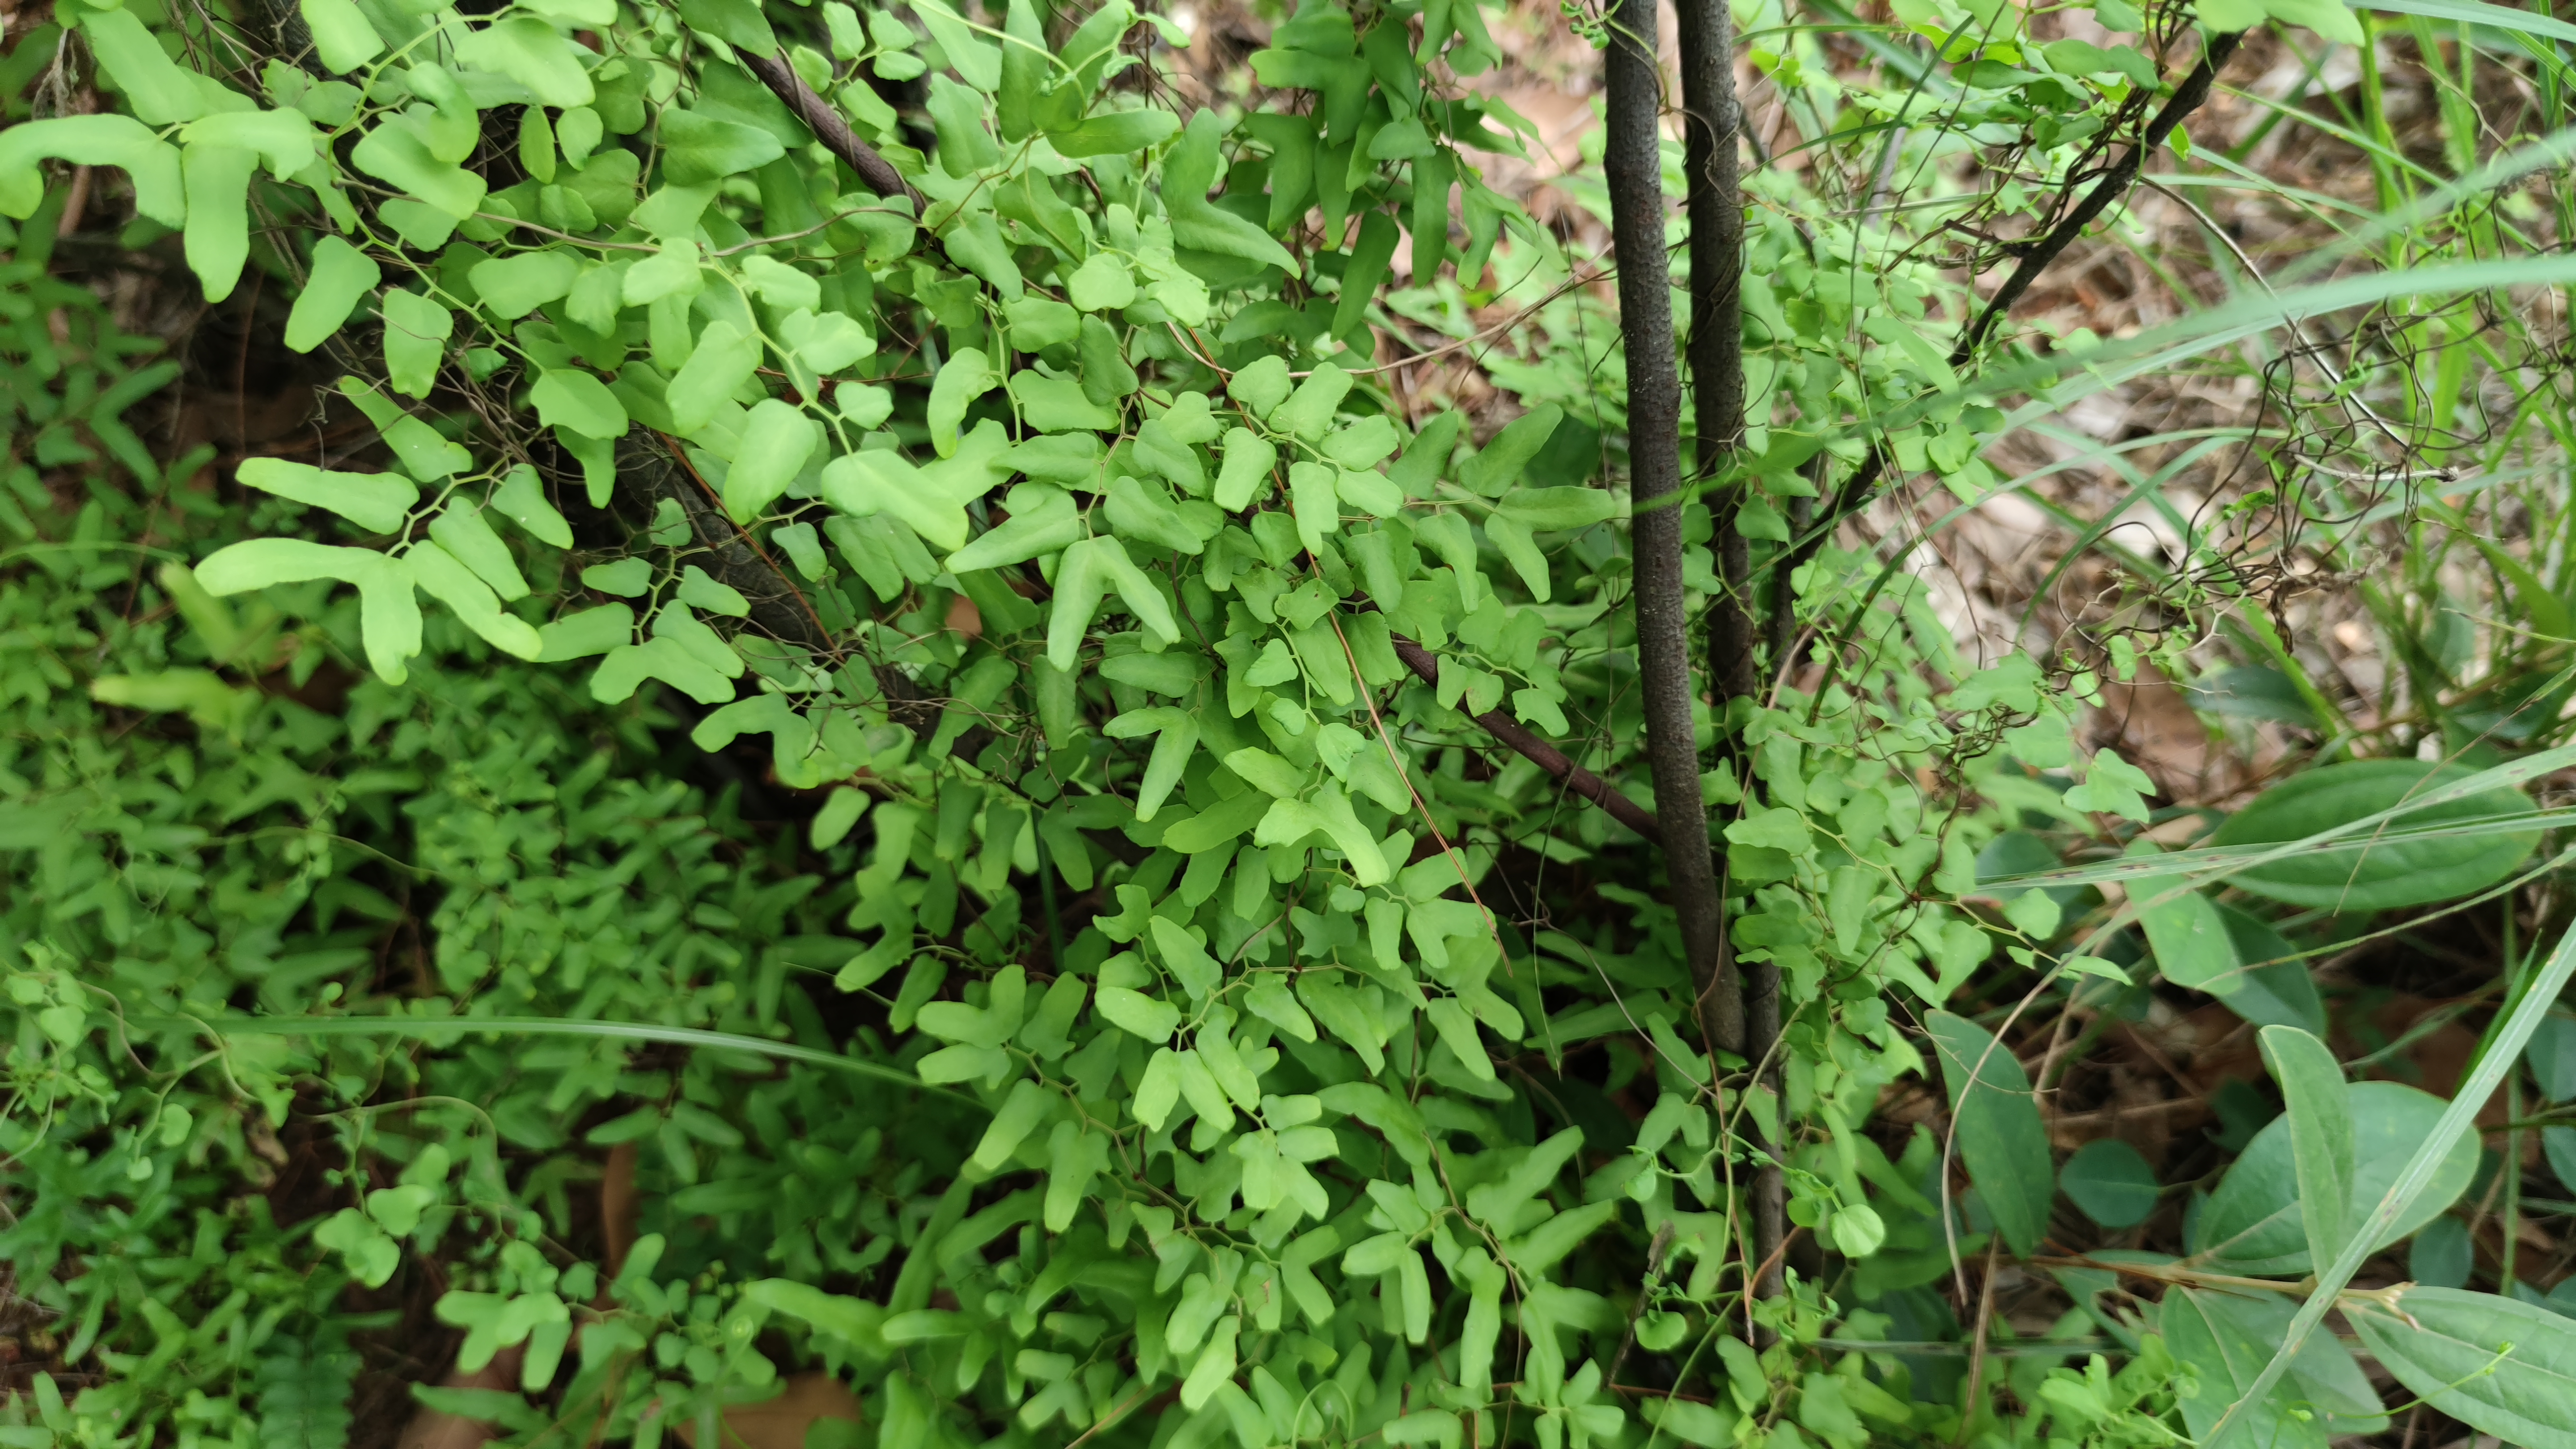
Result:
{"points": [[441, 1026]]}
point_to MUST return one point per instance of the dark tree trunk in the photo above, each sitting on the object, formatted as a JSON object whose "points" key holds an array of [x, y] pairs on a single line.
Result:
{"points": [[1717, 391], [1711, 116], [1635, 174]]}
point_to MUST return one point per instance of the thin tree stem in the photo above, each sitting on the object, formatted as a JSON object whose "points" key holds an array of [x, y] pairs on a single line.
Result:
{"points": [[1715, 204], [1716, 346], [1634, 170]]}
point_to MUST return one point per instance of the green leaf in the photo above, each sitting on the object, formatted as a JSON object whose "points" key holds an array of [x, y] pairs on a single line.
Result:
{"points": [[976, 59], [664, 658], [2112, 1184], [2321, 1137], [571, 399], [2272, 987], [341, 34], [2000, 1135], [513, 286], [389, 619], [2113, 786], [2225, 1338], [1137, 1014], [199, 693], [2253, 1224], [2328, 18], [1043, 520], [1176, 736], [442, 577], [1309, 410], [1366, 272], [2500, 1366], [2384, 874], [533, 53], [964, 377], [2185, 932], [1217, 825], [628, 578], [218, 232], [376, 502], [341, 275], [1245, 473], [372, 1257], [964, 147], [1115, 133], [825, 341], [394, 153], [1551, 509], [1187, 170], [1185, 958], [304, 1389], [1774, 827], [1457, 1030], [776, 441], [725, 359], [581, 635], [260, 563], [698, 147], [1270, 1000], [1101, 283], [877, 480], [700, 590], [2551, 1055], [282, 139], [416, 333], [462, 530], [1057, 406], [1020, 1114], [1498, 464], [96, 140], [159, 91], [735, 22]]}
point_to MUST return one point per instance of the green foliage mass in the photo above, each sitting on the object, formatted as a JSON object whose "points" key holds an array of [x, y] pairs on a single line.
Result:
{"points": [[1166, 1023]]}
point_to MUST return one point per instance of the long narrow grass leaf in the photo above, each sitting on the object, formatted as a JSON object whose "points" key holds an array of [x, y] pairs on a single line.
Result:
{"points": [[448, 1027]]}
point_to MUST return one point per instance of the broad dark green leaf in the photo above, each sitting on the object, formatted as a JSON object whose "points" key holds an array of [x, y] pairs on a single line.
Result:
{"points": [[2321, 1138], [2385, 876], [2111, 1183], [2271, 986], [2227, 1338], [2499, 1366], [2000, 1135], [2253, 1224], [701, 148]]}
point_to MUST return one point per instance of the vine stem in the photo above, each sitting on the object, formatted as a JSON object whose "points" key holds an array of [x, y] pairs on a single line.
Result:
{"points": [[825, 122], [1526, 743], [1632, 164]]}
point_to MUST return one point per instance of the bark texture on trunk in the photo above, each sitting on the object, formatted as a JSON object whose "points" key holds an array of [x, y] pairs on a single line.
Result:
{"points": [[1635, 173], [1716, 349], [1710, 121]]}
